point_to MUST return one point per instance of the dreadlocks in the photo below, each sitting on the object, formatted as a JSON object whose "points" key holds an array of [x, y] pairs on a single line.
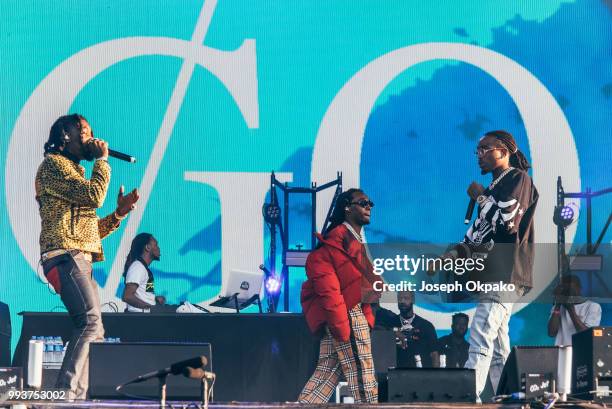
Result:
{"points": [[342, 202], [138, 245], [517, 158], [63, 129]]}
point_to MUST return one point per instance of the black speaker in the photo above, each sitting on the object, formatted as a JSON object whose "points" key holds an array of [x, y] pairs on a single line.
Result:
{"points": [[111, 364], [431, 385], [384, 354], [10, 378], [5, 335], [527, 366], [591, 361]]}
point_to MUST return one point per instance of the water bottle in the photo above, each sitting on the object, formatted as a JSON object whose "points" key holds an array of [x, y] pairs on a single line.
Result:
{"points": [[57, 350], [47, 350], [53, 356], [417, 360], [442, 361], [50, 351]]}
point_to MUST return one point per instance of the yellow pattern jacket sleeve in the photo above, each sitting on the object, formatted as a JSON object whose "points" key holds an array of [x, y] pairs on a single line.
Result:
{"points": [[67, 205]]}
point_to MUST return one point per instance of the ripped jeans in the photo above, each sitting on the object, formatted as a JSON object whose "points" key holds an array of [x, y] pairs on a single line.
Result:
{"points": [[489, 337]]}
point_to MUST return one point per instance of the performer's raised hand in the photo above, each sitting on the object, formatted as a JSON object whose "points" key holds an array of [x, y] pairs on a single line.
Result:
{"points": [[127, 203]]}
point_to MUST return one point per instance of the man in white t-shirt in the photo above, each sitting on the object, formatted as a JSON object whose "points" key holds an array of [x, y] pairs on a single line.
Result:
{"points": [[139, 292], [571, 312]]}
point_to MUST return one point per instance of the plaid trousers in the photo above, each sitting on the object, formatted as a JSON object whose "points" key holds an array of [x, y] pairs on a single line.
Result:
{"points": [[352, 359]]}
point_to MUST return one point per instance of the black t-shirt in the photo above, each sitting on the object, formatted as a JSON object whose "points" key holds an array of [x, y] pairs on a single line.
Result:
{"points": [[504, 230], [456, 354], [422, 338], [422, 341]]}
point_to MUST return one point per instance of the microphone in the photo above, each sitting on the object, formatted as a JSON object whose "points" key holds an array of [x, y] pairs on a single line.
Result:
{"points": [[174, 369], [121, 156], [265, 270], [470, 211], [198, 373]]}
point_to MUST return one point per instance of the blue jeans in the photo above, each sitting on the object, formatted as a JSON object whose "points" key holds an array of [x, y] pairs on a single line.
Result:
{"points": [[489, 338], [79, 293]]}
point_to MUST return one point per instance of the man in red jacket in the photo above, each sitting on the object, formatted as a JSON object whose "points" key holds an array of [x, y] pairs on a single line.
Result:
{"points": [[339, 277]]}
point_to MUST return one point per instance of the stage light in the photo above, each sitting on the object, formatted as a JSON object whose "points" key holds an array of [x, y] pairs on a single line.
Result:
{"points": [[273, 285], [565, 215], [271, 213]]}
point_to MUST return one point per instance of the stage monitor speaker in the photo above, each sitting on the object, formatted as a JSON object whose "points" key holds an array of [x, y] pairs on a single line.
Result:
{"points": [[431, 385], [524, 365], [384, 351], [5, 335], [592, 363], [384, 354], [111, 364]]}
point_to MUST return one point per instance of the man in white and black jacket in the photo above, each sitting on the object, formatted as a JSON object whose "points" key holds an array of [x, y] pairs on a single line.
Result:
{"points": [[503, 235]]}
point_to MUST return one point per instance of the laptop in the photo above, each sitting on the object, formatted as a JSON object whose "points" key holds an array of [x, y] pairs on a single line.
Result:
{"points": [[245, 283]]}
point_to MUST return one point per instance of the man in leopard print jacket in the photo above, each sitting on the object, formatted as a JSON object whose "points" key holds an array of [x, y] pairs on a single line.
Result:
{"points": [[70, 238]]}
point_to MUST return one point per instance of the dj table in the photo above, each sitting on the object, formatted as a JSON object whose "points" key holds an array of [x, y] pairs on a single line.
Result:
{"points": [[257, 357]]}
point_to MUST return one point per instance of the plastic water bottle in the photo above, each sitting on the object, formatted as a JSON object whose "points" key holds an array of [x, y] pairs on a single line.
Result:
{"points": [[57, 350], [57, 353], [50, 348], [52, 351], [442, 361], [47, 350], [417, 360]]}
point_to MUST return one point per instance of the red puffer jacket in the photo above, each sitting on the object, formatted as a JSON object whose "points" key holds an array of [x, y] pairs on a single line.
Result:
{"points": [[337, 272]]}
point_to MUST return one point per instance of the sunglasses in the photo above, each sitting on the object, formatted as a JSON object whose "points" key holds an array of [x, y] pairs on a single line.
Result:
{"points": [[480, 152], [364, 203]]}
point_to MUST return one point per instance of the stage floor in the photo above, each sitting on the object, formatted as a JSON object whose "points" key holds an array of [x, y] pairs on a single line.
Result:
{"points": [[116, 404]]}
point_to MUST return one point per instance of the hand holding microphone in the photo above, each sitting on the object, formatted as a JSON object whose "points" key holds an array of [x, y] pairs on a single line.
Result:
{"points": [[100, 150], [474, 190]]}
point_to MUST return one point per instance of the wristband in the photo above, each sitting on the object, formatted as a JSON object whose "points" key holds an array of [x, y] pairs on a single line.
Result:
{"points": [[119, 217]]}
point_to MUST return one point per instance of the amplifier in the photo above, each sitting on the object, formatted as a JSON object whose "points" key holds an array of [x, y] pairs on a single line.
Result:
{"points": [[592, 362], [529, 369], [535, 385], [10, 378], [111, 364], [431, 385]]}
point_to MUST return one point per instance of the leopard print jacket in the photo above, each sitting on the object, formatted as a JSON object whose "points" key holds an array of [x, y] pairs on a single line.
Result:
{"points": [[67, 205]]}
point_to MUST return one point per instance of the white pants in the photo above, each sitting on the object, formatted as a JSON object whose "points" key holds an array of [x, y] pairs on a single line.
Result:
{"points": [[489, 339]]}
